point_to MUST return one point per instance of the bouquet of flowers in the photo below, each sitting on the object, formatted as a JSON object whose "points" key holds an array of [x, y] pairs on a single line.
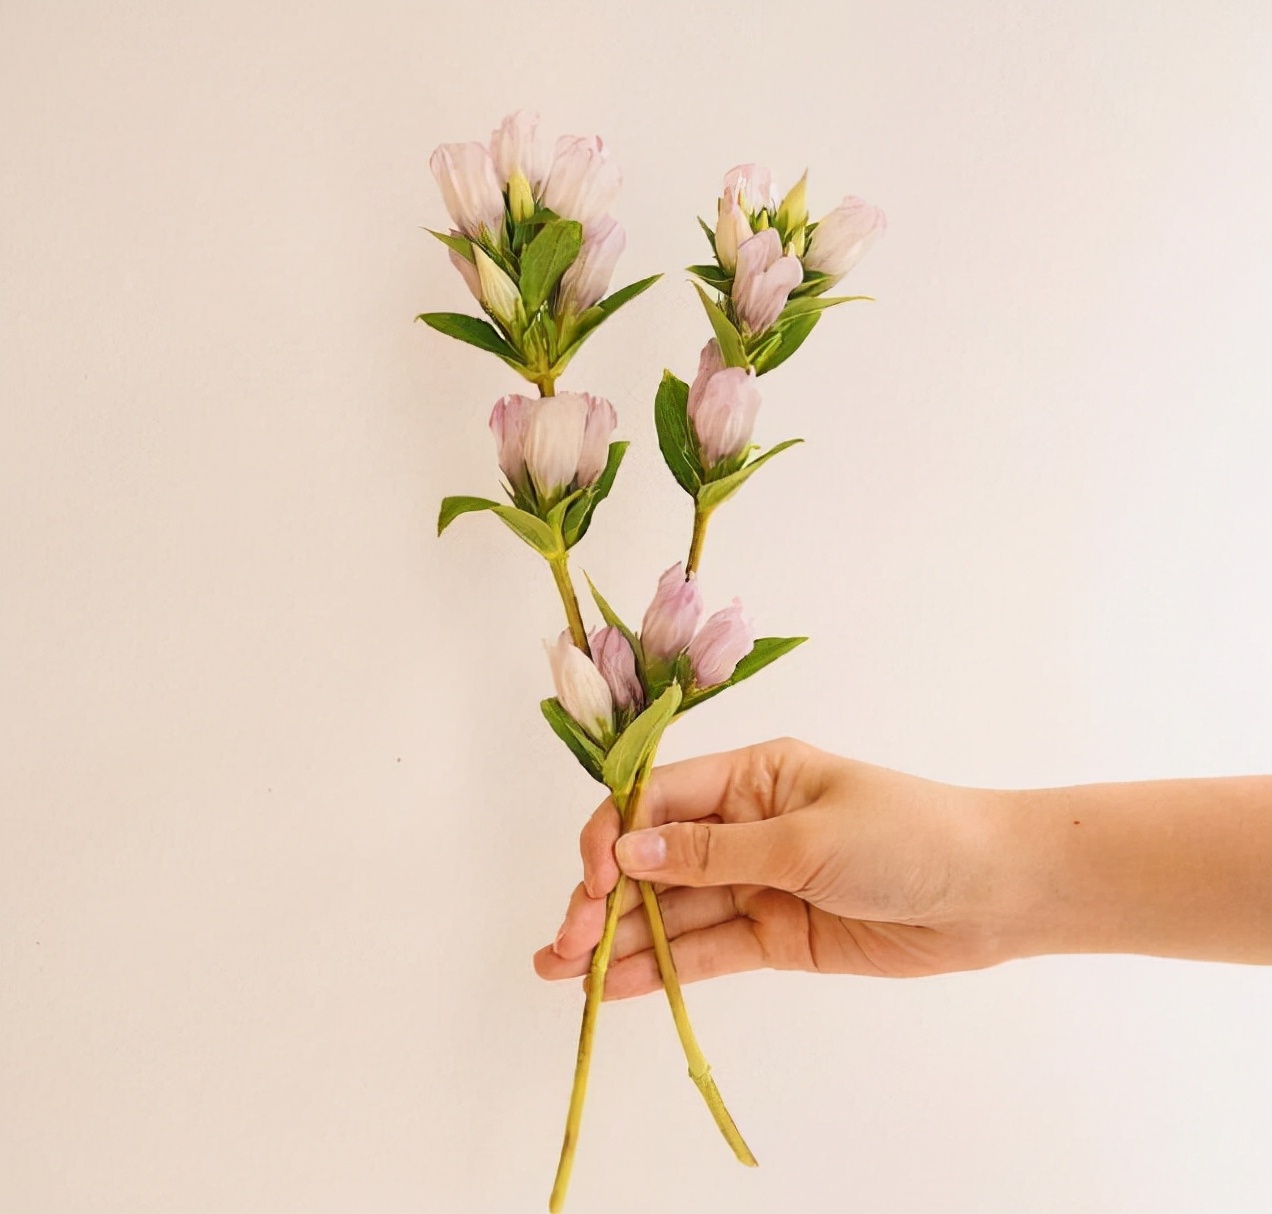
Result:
{"points": [[535, 242]]}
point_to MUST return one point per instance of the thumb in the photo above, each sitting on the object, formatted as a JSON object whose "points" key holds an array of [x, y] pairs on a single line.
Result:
{"points": [[769, 852]]}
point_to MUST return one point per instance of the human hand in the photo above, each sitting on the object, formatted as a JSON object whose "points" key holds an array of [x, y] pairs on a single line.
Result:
{"points": [[783, 856]]}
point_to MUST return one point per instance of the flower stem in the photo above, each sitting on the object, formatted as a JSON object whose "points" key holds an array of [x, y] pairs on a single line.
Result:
{"points": [[699, 1069], [569, 600], [587, 1032], [700, 519]]}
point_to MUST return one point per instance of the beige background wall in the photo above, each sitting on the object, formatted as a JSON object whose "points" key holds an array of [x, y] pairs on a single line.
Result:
{"points": [[280, 825]]}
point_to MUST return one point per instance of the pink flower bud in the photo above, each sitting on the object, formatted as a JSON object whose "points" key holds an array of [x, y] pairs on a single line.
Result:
{"points": [[724, 414], [467, 270], [672, 617], [580, 687], [601, 420], [509, 420], [710, 360], [470, 189], [554, 442], [732, 228], [764, 280], [752, 186], [583, 183], [617, 663], [722, 642], [842, 238], [515, 147], [588, 277]]}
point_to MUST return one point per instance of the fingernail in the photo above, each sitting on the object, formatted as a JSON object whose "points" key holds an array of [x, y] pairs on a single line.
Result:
{"points": [[556, 944], [641, 850]]}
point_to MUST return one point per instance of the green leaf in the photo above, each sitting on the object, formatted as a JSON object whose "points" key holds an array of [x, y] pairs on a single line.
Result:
{"points": [[714, 492], [460, 244], [802, 307], [579, 516], [729, 338], [815, 283], [546, 258], [611, 303], [581, 745], [637, 743], [710, 231], [794, 333], [533, 530], [679, 449], [713, 276], [472, 330], [610, 616], [765, 651], [453, 507], [538, 534]]}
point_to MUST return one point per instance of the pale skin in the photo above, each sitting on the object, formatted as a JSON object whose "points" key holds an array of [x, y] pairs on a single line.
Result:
{"points": [[787, 857]]}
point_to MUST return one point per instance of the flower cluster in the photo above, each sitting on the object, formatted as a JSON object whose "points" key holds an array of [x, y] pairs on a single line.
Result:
{"points": [[552, 446], [534, 241], [769, 256], [604, 688]]}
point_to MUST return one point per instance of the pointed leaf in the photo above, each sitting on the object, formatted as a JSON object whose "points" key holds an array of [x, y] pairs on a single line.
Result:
{"points": [[533, 530], [460, 244], [713, 276], [714, 492], [475, 332], [793, 333], [546, 258], [453, 507], [579, 516], [729, 338], [765, 651], [588, 753], [815, 283], [801, 307], [638, 742], [611, 303], [710, 231], [671, 418], [610, 616]]}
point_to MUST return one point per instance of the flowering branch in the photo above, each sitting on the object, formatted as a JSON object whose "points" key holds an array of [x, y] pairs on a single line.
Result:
{"points": [[536, 246]]}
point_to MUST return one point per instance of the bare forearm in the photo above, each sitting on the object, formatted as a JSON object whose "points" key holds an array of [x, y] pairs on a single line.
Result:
{"points": [[1177, 868]]}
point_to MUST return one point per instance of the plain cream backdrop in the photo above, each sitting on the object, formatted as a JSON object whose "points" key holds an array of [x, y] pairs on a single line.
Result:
{"points": [[281, 824]]}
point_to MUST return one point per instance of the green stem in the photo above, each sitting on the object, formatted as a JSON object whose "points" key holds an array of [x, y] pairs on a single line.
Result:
{"points": [[587, 1033], [628, 807], [699, 1068], [560, 566], [700, 519]]}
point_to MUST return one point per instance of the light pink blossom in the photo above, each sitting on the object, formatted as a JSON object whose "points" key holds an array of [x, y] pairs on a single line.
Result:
{"points": [[470, 188], [764, 280], [583, 182], [722, 642], [844, 236], [588, 276], [614, 658], [724, 414], [710, 360], [554, 443], [515, 147], [672, 616], [732, 228], [752, 186], [580, 687], [597, 431], [467, 271]]}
